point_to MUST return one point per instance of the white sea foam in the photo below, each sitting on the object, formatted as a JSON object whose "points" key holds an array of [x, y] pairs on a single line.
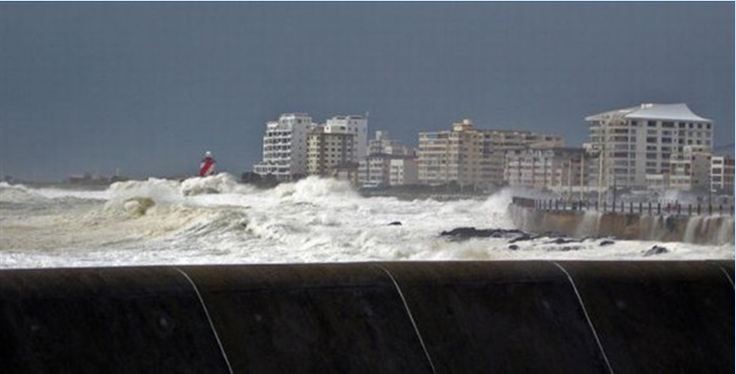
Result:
{"points": [[216, 220]]}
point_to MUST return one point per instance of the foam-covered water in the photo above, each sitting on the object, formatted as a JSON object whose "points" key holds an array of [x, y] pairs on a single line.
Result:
{"points": [[216, 220]]}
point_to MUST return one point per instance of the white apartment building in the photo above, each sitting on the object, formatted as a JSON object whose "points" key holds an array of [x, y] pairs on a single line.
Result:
{"points": [[285, 147], [403, 171], [328, 152], [721, 173], [636, 144], [470, 156], [355, 125]]}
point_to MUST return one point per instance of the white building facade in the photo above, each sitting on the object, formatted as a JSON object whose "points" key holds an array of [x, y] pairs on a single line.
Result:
{"points": [[636, 144], [285, 147]]}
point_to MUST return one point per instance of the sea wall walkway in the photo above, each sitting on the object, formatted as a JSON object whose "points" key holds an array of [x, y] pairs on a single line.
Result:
{"points": [[651, 221]]}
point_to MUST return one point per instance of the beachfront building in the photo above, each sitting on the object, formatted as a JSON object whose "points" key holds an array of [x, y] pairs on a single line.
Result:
{"points": [[636, 144], [469, 156], [352, 124], [497, 143], [330, 152], [285, 147], [383, 144], [721, 174], [375, 169], [450, 156], [403, 172], [381, 170], [558, 169], [690, 169]]}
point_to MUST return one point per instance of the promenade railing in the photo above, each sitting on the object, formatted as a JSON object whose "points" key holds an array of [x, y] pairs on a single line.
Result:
{"points": [[630, 207]]}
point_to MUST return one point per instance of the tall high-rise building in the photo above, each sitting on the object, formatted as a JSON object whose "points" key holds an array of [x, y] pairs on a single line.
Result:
{"points": [[636, 144], [285, 147]]}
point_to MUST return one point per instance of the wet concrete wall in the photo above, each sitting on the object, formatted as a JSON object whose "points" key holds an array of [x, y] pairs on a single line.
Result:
{"points": [[703, 229], [437, 317]]}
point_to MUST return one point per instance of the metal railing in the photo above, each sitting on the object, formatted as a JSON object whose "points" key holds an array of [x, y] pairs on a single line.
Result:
{"points": [[649, 208]]}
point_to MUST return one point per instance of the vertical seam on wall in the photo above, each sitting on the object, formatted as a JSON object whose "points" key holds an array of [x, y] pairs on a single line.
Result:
{"points": [[587, 317], [411, 317], [728, 276], [209, 319]]}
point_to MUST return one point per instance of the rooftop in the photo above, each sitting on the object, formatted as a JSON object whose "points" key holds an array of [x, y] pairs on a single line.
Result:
{"points": [[675, 112]]}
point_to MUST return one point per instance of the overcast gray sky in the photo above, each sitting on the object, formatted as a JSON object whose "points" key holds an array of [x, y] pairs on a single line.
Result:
{"points": [[148, 87]]}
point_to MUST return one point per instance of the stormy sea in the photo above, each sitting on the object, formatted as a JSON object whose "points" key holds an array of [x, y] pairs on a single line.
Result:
{"points": [[215, 220]]}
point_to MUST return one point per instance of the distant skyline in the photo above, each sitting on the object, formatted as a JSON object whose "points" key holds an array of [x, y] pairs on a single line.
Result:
{"points": [[147, 88]]}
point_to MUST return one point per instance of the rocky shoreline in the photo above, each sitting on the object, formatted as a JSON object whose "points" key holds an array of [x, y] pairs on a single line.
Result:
{"points": [[554, 240]]}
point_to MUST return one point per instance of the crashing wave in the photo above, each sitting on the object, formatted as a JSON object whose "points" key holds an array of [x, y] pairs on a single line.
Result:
{"points": [[17, 193]]}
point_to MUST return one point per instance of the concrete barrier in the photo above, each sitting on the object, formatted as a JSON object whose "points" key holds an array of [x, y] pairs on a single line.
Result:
{"points": [[533, 316], [120, 320]]}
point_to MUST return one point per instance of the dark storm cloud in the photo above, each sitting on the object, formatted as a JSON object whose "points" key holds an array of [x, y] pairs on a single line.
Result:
{"points": [[148, 87]]}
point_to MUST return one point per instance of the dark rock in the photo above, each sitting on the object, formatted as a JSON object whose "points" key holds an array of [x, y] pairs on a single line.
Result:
{"points": [[655, 250], [568, 248], [513, 247], [395, 223], [523, 237], [604, 243], [562, 241], [463, 233]]}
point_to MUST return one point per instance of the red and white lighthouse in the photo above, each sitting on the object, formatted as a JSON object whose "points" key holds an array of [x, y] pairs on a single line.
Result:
{"points": [[207, 167]]}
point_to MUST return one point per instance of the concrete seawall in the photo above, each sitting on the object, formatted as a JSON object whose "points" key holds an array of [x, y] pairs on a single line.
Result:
{"points": [[714, 229], [439, 317]]}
